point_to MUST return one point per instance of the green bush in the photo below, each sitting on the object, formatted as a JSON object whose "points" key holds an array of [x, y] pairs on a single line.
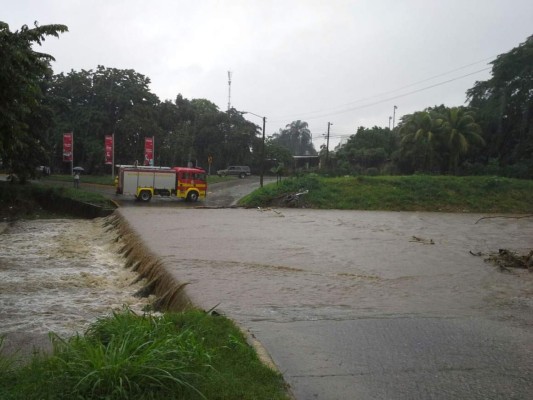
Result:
{"points": [[520, 170]]}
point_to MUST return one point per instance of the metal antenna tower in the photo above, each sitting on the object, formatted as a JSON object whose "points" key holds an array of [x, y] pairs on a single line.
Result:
{"points": [[229, 90]]}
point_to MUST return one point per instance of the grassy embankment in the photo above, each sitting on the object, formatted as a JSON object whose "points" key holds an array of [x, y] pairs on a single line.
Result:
{"points": [[190, 355], [480, 194]]}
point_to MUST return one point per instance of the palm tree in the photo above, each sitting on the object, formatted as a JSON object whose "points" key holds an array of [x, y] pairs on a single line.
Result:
{"points": [[421, 130], [296, 137], [460, 131], [300, 137]]}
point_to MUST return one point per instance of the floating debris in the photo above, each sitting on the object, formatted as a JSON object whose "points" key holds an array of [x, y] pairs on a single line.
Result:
{"points": [[417, 239], [507, 259]]}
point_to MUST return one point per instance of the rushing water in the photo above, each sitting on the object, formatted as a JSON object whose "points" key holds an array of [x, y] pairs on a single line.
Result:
{"points": [[59, 276], [290, 265]]}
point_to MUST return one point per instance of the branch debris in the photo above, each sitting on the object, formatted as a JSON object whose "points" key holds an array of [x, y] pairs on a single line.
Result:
{"points": [[506, 259], [505, 216]]}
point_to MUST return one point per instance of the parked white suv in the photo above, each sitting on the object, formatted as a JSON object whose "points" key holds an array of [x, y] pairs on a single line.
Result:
{"points": [[237, 170]]}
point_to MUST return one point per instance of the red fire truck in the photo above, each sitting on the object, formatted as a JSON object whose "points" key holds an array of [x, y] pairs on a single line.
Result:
{"points": [[144, 182]]}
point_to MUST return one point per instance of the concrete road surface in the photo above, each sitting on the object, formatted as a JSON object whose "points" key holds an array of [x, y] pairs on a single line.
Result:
{"points": [[362, 305]]}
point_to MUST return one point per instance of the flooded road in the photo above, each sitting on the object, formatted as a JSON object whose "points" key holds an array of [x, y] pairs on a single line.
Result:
{"points": [[352, 304], [307, 264], [58, 276]]}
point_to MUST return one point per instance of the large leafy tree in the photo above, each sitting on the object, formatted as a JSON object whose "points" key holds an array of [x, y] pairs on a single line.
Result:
{"points": [[24, 115], [176, 123], [504, 106], [369, 147], [209, 132], [93, 104], [200, 131], [242, 144]]}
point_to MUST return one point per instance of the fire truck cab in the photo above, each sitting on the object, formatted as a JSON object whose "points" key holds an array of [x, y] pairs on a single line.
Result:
{"points": [[191, 183], [144, 182]]}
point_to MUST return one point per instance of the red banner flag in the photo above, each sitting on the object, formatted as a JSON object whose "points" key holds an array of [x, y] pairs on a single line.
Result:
{"points": [[109, 149], [148, 151], [67, 147]]}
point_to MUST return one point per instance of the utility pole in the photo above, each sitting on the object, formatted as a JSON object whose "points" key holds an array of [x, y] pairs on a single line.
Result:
{"points": [[389, 122], [229, 90], [327, 145], [262, 145], [394, 116], [262, 155]]}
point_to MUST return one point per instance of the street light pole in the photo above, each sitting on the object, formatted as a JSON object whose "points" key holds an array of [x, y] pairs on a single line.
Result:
{"points": [[327, 145], [262, 155], [262, 166]]}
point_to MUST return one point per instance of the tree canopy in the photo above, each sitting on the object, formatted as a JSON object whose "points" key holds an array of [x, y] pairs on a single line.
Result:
{"points": [[23, 112], [93, 104], [505, 106], [368, 148], [437, 139], [496, 127]]}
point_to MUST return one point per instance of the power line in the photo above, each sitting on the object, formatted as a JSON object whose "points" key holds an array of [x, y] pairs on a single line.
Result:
{"points": [[424, 80], [327, 114], [400, 88]]}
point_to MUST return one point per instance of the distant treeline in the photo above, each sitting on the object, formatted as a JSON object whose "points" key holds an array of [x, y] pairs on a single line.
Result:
{"points": [[494, 134]]}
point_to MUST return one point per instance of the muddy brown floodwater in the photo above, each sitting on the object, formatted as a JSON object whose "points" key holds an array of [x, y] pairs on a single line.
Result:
{"points": [[289, 264]]}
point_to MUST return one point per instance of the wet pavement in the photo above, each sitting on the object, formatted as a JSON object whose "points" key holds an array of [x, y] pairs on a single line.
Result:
{"points": [[361, 305]]}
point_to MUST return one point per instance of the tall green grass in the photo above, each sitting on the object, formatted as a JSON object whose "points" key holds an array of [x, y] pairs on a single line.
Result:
{"points": [[403, 193], [189, 355]]}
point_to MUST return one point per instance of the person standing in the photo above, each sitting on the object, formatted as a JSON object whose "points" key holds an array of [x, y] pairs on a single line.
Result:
{"points": [[76, 179]]}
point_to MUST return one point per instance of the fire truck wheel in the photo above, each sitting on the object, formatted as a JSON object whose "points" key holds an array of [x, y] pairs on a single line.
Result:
{"points": [[145, 195], [192, 196]]}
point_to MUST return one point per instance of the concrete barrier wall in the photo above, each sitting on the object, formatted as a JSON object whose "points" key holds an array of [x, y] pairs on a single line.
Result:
{"points": [[73, 207]]}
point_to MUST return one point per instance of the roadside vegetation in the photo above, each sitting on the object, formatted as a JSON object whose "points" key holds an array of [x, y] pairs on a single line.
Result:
{"points": [[191, 355], [482, 194]]}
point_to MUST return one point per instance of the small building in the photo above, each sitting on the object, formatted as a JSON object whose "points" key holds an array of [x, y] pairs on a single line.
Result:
{"points": [[305, 162]]}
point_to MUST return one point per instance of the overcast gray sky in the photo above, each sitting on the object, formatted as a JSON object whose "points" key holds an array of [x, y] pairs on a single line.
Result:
{"points": [[348, 62]]}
